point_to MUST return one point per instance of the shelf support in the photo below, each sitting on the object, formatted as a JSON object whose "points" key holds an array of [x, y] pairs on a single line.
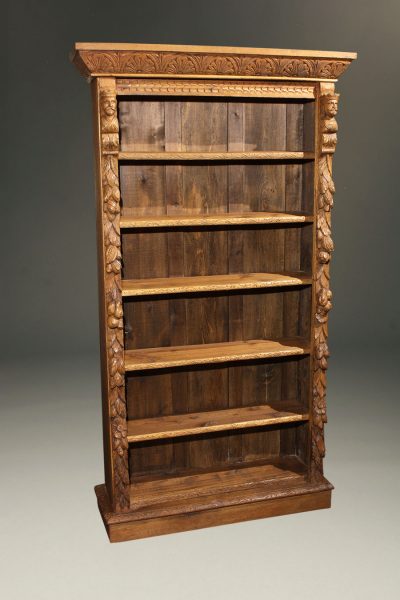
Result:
{"points": [[328, 127], [111, 317]]}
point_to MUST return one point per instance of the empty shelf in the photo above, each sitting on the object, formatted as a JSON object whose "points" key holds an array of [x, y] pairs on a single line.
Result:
{"points": [[179, 356], [142, 430], [254, 155], [281, 472], [236, 281], [130, 221]]}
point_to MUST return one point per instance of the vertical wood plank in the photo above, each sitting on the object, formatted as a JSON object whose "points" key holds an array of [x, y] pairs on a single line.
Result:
{"points": [[204, 128], [238, 201], [175, 204], [265, 128], [145, 255]]}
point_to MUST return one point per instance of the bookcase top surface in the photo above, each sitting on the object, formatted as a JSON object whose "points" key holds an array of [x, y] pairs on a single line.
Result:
{"points": [[166, 60]]}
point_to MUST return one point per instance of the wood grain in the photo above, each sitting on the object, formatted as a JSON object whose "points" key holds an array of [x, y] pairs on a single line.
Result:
{"points": [[142, 128], [211, 283], [213, 49], [214, 174], [207, 62], [198, 354], [147, 491], [130, 220], [259, 502], [106, 130], [141, 430], [191, 155]]}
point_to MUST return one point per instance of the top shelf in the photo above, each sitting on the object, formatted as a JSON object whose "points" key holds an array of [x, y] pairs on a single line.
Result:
{"points": [[184, 156]]}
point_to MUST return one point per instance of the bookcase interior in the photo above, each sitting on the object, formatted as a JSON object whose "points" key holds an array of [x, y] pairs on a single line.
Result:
{"points": [[201, 187]]}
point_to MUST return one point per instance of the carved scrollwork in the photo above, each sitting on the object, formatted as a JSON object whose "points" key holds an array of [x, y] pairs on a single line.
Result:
{"points": [[155, 62], [114, 313], [328, 139]]}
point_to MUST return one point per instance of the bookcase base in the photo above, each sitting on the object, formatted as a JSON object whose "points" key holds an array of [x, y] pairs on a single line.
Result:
{"points": [[126, 526]]}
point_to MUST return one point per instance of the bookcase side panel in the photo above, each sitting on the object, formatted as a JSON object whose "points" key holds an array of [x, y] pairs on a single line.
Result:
{"points": [[327, 139], [106, 134]]}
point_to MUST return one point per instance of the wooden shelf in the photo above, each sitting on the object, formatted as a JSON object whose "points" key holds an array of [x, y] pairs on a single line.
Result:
{"points": [[211, 283], [178, 156], [281, 472], [180, 356], [131, 221], [143, 430]]}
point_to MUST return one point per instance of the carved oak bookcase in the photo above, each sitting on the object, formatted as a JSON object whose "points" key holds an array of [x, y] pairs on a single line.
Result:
{"points": [[214, 195]]}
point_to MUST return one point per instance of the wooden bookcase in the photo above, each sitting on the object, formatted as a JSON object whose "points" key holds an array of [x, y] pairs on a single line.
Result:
{"points": [[214, 187]]}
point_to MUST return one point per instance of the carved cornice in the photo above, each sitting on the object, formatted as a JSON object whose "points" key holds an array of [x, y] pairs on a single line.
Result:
{"points": [[102, 62], [113, 300], [328, 138]]}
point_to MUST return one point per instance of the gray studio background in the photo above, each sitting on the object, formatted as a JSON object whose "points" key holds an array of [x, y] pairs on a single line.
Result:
{"points": [[52, 537]]}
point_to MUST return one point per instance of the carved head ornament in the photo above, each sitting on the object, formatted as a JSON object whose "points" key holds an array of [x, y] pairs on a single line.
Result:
{"points": [[330, 105], [108, 103]]}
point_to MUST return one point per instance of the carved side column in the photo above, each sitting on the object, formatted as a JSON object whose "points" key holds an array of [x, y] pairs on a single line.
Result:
{"points": [[113, 342], [324, 247]]}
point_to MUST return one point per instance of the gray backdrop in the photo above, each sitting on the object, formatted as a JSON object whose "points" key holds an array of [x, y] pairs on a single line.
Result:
{"points": [[52, 540], [48, 241]]}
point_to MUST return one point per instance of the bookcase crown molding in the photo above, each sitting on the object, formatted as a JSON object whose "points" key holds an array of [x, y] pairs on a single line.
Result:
{"points": [[105, 59]]}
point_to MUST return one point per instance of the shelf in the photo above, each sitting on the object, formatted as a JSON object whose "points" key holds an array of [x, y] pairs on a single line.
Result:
{"points": [[254, 155], [281, 472], [212, 283], [173, 426], [180, 356], [130, 221]]}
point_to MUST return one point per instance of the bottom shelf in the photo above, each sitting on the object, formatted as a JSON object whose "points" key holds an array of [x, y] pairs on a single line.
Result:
{"points": [[205, 499], [281, 472]]}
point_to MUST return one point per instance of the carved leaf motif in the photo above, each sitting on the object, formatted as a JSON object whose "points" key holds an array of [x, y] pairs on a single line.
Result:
{"points": [[261, 66], [99, 61], [112, 258], [328, 126], [331, 69]]}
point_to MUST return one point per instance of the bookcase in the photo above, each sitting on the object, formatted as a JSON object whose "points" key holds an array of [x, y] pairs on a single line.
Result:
{"points": [[214, 196]]}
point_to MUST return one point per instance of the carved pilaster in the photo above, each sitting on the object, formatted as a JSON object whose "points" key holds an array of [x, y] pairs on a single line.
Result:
{"points": [[324, 247], [114, 342]]}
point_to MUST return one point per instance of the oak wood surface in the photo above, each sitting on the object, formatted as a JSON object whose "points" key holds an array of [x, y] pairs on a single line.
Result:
{"points": [[213, 49], [141, 430], [259, 502], [202, 283], [129, 220], [190, 87], [218, 156], [146, 491], [216, 163], [197, 354], [208, 62]]}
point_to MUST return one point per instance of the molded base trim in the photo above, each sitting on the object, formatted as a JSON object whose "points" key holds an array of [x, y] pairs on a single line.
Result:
{"points": [[126, 526]]}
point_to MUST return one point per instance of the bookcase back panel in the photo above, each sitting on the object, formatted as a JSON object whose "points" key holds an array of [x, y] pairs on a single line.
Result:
{"points": [[157, 188], [214, 125], [216, 251], [198, 187], [206, 319], [278, 383], [192, 455]]}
